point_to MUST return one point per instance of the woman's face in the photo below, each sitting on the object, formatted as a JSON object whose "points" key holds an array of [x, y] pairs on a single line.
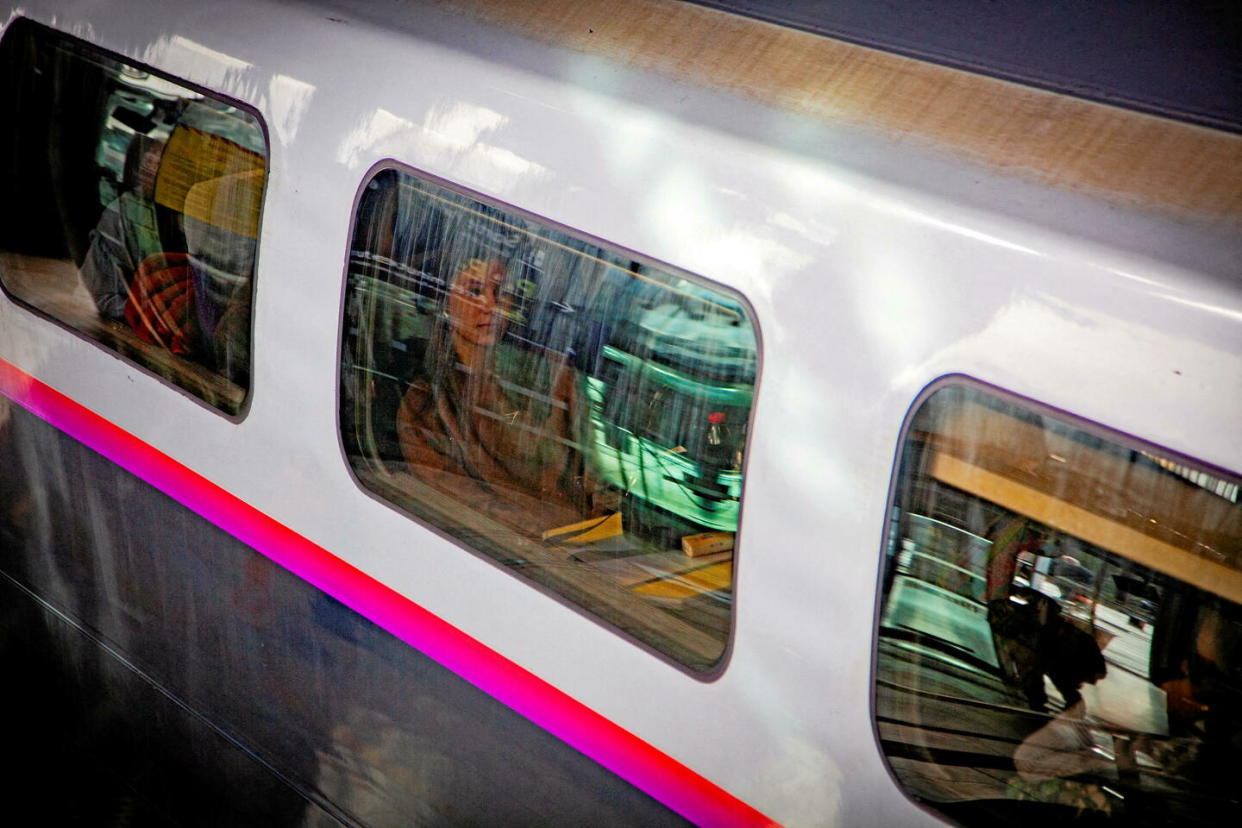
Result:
{"points": [[475, 305], [148, 169]]}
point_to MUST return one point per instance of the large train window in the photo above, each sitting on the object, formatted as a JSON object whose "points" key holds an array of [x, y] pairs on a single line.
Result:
{"points": [[133, 209], [574, 414], [1061, 632]]}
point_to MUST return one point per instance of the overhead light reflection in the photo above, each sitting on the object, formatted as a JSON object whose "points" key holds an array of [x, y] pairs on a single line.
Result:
{"points": [[1134, 277], [217, 58], [1230, 313], [456, 134], [382, 132], [711, 240], [459, 126], [958, 229], [289, 98]]}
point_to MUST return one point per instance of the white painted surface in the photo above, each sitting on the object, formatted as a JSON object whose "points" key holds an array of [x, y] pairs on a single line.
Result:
{"points": [[865, 287]]}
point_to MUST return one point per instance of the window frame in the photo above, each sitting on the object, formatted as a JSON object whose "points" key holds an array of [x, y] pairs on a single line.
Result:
{"points": [[243, 409], [717, 669]]}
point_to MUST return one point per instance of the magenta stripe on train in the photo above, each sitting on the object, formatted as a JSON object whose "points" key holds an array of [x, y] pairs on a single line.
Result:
{"points": [[659, 775]]}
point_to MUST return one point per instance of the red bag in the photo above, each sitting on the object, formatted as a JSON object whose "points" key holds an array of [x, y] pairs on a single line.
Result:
{"points": [[160, 308]]}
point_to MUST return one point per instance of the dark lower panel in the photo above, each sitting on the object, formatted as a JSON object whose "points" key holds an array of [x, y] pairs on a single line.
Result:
{"points": [[167, 674], [92, 742]]}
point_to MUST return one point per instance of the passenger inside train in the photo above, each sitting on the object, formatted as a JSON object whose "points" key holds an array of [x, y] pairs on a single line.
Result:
{"points": [[574, 414], [468, 431], [127, 232], [155, 247]]}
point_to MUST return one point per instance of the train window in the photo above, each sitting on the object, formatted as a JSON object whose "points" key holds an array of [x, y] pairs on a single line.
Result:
{"points": [[1061, 631], [135, 209], [576, 415]]}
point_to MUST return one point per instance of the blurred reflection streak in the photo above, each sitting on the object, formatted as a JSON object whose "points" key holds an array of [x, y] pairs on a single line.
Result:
{"points": [[201, 64], [182, 43], [1063, 333], [458, 126], [809, 192], [455, 133], [709, 237], [892, 302], [379, 134], [1231, 313], [926, 219], [290, 99], [1134, 277], [631, 143], [627, 137], [382, 774]]}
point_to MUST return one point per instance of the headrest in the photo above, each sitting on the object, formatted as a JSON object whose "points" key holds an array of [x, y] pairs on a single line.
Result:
{"points": [[230, 202], [213, 180]]}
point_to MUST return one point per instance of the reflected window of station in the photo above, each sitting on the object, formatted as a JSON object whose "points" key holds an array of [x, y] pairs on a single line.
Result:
{"points": [[136, 209], [575, 415], [1060, 635]]}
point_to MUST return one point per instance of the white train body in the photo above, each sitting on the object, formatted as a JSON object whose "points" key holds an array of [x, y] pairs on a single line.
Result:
{"points": [[888, 223]]}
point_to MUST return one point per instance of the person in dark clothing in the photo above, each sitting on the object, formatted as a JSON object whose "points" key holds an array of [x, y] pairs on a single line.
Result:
{"points": [[1032, 638], [126, 232]]}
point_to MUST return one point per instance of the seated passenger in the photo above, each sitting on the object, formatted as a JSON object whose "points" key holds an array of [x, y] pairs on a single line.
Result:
{"points": [[506, 445], [126, 232], [197, 304]]}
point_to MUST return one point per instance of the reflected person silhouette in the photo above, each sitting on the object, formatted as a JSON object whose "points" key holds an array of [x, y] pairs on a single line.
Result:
{"points": [[493, 425], [1032, 637], [127, 231]]}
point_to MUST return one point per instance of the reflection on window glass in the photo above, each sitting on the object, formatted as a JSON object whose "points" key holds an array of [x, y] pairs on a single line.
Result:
{"points": [[139, 210], [574, 414], [1061, 635]]}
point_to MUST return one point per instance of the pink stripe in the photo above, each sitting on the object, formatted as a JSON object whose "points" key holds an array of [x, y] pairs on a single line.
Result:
{"points": [[659, 775]]}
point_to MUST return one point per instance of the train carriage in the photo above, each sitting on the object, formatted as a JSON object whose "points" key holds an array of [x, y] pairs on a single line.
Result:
{"points": [[542, 413]]}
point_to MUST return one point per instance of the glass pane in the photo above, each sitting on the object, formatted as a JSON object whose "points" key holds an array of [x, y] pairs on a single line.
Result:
{"points": [[576, 415], [1061, 635], [140, 209]]}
